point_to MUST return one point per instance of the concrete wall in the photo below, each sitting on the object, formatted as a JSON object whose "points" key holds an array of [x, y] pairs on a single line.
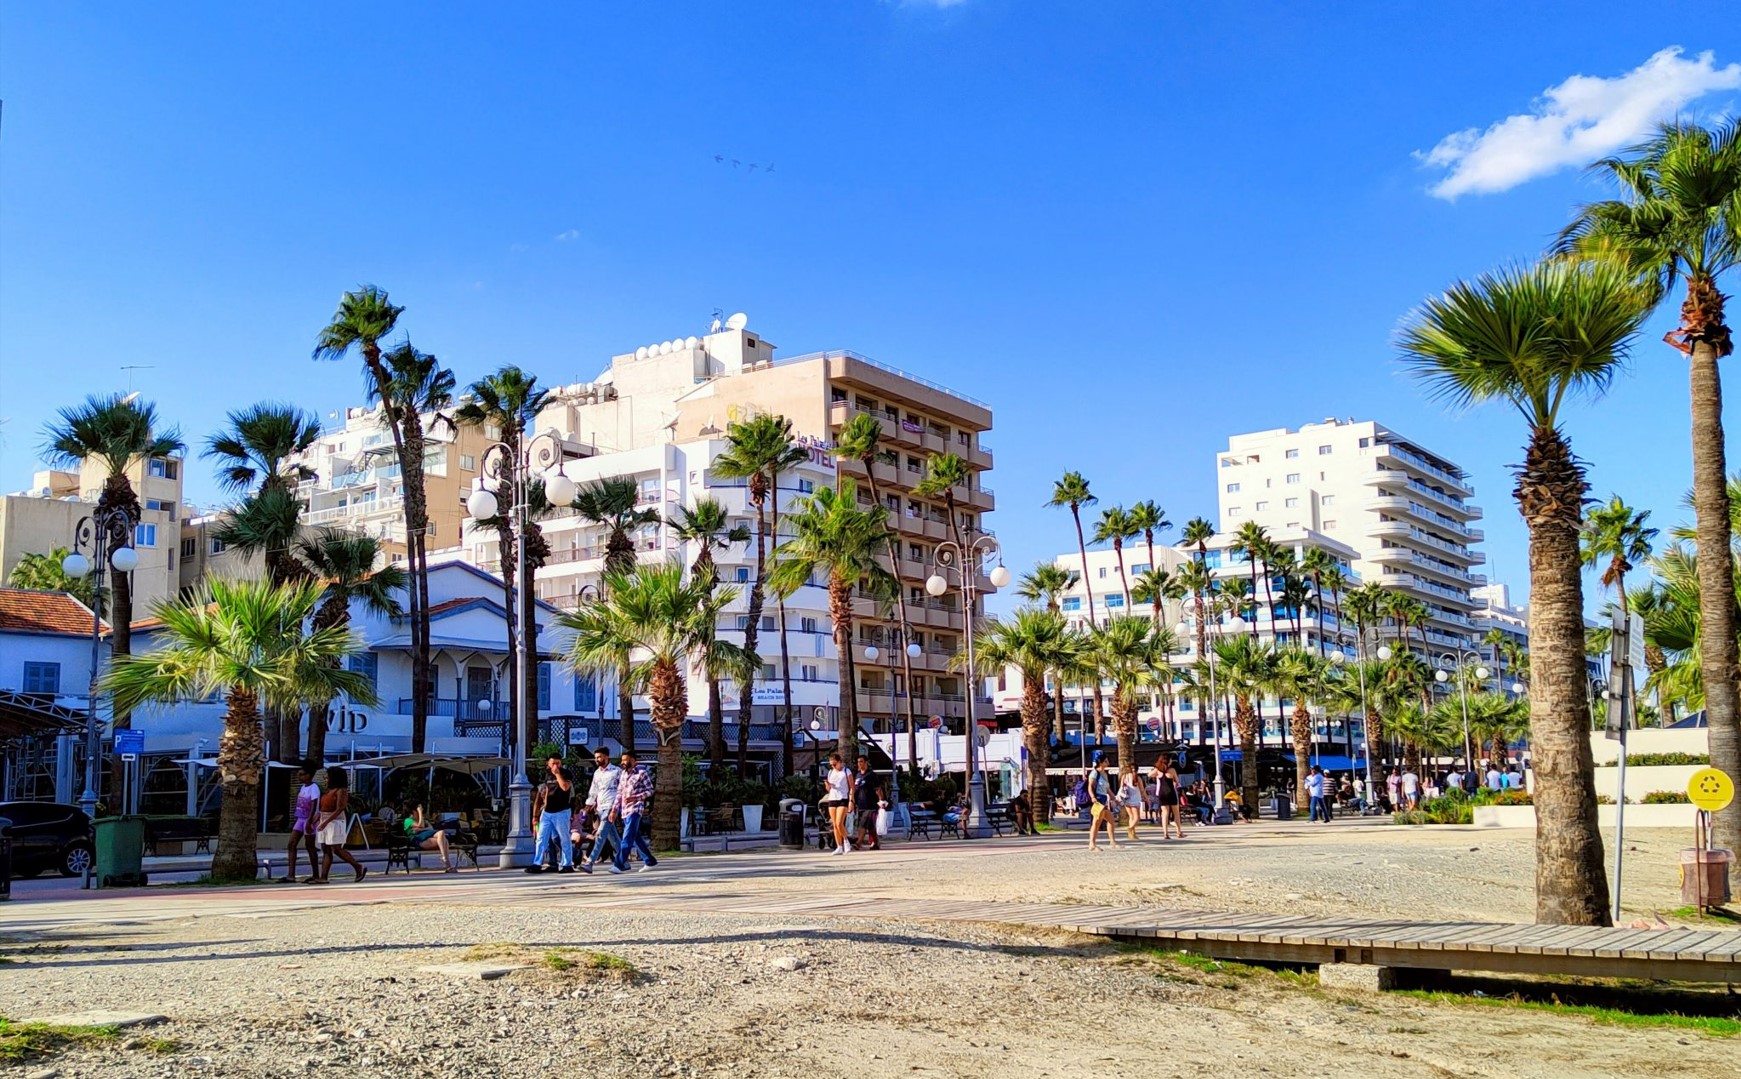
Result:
{"points": [[1637, 816], [1650, 740]]}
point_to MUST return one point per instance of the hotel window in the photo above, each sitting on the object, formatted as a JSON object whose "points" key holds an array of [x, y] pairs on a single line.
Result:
{"points": [[1291, 454], [544, 687], [1327, 500], [1293, 477], [1323, 451], [768, 672], [144, 535], [1290, 503], [767, 623], [365, 663], [585, 693], [1139, 568], [162, 468], [216, 546], [468, 462], [42, 678], [806, 486], [188, 547], [1365, 442], [1103, 573], [1260, 507], [1072, 603], [1233, 488], [807, 624], [1115, 601], [1234, 511], [808, 672]]}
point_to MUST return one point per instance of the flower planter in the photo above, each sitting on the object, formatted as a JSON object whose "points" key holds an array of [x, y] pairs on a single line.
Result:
{"points": [[752, 818]]}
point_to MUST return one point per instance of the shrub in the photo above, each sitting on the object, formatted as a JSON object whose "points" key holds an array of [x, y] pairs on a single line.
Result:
{"points": [[1648, 760], [1657, 798], [1408, 816], [1512, 798], [1452, 807]]}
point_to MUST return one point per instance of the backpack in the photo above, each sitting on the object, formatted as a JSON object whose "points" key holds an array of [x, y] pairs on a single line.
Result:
{"points": [[1080, 792]]}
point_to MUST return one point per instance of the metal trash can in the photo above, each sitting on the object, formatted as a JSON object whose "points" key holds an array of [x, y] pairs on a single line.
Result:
{"points": [[1283, 806], [5, 858], [792, 812], [1705, 876], [120, 852]]}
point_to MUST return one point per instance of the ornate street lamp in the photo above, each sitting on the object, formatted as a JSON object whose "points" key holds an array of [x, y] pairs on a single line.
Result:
{"points": [[980, 556], [106, 533], [1455, 662]]}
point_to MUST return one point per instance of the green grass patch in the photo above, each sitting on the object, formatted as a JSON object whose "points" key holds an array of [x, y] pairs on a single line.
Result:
{"points": [[161, 1046], [1621, 1006], [554, 960], [1714, 914], [606, 963], [21, 1042], [500, 949]]}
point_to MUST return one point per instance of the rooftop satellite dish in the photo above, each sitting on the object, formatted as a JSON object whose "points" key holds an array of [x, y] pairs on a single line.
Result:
{"points": [[716, 325], [641, 353], [692, 342], [737, 321], [666, 349]]}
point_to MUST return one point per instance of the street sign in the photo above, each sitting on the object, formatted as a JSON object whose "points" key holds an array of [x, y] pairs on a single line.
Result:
{"points": [[129, 743], [982, 737], [936, 722], [1710, 789], [1154, 723], [1619, 713], [577, 736]]}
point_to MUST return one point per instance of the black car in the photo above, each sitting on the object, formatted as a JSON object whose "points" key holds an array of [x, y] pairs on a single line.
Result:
{"points": [[49, 835]]}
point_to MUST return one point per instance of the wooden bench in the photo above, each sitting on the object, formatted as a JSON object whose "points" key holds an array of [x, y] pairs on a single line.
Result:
{"points": [[180, 830]]}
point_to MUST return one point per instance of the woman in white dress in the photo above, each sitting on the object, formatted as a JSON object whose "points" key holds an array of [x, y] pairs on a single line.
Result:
{"points": [[332, 824]]}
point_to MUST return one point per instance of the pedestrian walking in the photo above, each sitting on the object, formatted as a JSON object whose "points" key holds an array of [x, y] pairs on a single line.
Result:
{"points": [[601, 799], [1411, 789], [551, 826], [1393, 786], [1102, 804], [1130, 798], [1318, 805], [302, 824], [867, 800], [836, 797], [332, 825], [1166, 780], [633, 793]]}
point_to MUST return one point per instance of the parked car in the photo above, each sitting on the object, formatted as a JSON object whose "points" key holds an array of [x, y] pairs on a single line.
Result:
{"points": [[49, 835]]}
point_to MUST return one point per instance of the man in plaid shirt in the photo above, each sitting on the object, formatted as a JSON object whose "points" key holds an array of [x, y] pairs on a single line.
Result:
{"points": [[633, 794]]}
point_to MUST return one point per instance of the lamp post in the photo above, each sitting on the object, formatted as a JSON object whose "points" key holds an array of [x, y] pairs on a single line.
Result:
{"points": [[1339, 658], [1457, 661], [871, 652], [968, 562], [502, 461], [1237, 625], [105, 533]]}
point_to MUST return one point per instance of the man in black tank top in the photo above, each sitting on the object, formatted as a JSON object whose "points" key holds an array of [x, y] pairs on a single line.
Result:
{"points": [[557, 799]]}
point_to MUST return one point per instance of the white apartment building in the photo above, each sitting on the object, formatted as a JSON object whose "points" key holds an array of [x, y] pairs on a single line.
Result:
{"points": [[1404, 509]]}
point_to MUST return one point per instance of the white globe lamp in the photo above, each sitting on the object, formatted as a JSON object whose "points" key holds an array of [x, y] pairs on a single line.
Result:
{"points": [[913, 649], [481, 504], [75, 565], [936, 585], [484, 705], [1517, 687], [559, 489], [1483, 673], [871, 651], [1000, 576], [1384, 651], [1236, 624], [1441, 676], [124, 559], [1338, 658]]}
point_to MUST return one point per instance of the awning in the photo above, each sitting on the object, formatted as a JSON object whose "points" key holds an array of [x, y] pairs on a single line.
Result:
{"points": [[35, 715], [453, 763]]}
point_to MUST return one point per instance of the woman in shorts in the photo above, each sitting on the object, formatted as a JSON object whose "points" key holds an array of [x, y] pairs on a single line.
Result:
{"points": [[332, 825], [835, 796]]}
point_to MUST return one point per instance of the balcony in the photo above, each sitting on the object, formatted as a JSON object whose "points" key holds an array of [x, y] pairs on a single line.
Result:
{"points": [[1421, 584], [394, 504], [1393, 452], [1405, 504], [465, 711], [978, 455]]}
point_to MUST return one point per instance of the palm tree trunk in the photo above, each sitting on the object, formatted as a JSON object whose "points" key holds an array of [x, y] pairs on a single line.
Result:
{"points": [[906, 627], [1082, 548], [1058, 708], [119, 492], [1301, 729], [785, 650], [1124, 729], [840, 609], [746, 692], [1204, 711], [1039, 751], [417, 547], [668, 705], [1571, 885], [241, 762], [1247, 721], [1717, 648], [626, 705]]}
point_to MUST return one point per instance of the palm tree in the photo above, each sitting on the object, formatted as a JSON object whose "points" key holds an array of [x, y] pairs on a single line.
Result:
{"points": [[1678, 218], [831, 535], [1046, 583], [1114, 527], [1408, 613], [1616, 533], [1245, 671], [1155, 586], [757, 451], [613, 504], [344, 565], [1252, 543], [252, 454], [509, 401], [653, 613], [1333, 580], [861, 440], [1147, 518], [1497, 721], [246, 641], [1197, 580], [43, 573], [1035, 642], [707, 526], [1301, 676], [1071, 489], [115, 433], [1126, 653], [365, 317], [1533, 336]]}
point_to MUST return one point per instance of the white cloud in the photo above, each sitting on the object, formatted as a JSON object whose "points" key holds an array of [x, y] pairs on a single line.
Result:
{"points": [[571, 234], [1575, 123]]}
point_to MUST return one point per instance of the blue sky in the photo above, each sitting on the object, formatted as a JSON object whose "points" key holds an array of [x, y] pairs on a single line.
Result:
{"points": [[1132, 228]]}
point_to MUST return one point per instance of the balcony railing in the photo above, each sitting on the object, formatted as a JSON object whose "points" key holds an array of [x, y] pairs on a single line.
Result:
{"points": [[451, 708]]}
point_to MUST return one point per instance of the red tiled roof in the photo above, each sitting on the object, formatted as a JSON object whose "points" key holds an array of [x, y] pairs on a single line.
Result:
{"points": [[450, 604], [26, 611]]}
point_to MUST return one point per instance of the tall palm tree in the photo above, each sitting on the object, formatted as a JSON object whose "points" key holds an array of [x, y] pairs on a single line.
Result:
{"points": [[43, 573], [1301, 676], [655, 614], [347, 567], [1035, 642], [1532, 337], [1197, 580], [1252, 543], [1616, 533], [831, 535], [1147, 518], [1127, 654], [757, 451], [1114, 527], [509, 400], [861, 440], [116, 433], [246, 641], [707, 526], [1046, 583], [1497, 721], [1678, 218], [1071, 489], [1333, 580], [614, 504], [1155, 587], [365, 317], [1245, 671]]}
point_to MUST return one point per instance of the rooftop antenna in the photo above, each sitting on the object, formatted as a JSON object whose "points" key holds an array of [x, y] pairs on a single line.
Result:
{"points": [[718, 315], [132, 367]]}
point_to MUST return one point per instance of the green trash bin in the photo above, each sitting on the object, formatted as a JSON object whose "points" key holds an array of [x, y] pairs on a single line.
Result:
{"points": [[120, 852]]}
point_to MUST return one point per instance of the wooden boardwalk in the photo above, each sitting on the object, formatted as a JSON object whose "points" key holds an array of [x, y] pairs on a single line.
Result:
{"points": [[1694, 955]]}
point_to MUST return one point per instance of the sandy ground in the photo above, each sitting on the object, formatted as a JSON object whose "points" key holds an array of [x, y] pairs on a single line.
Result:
{"points": [[287, 991]]}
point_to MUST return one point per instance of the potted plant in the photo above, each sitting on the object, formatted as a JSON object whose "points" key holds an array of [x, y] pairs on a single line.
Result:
{"points": [[754, 799]]}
